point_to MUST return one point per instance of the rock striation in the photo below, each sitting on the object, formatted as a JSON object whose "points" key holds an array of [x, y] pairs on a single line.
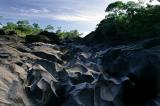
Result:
{"points": [[73, 74]]}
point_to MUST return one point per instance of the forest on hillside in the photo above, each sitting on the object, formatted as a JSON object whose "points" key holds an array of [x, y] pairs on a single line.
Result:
{"points": [[129, 21]]}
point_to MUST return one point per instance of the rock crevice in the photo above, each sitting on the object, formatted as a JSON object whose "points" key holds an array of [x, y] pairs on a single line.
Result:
{"points": [[42, 74]]}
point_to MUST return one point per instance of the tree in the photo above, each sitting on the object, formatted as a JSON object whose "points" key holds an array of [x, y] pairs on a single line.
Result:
{"points": [[75, 33], [132, 8], [49, 28], [36, 29], [128, 22], [35, 25], [10, 26], [22, 27], [23, 22], [58, 31], [69, 34], [116, 7]]}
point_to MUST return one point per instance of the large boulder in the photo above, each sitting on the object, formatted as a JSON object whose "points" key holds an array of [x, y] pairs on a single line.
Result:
{"points": [[42, 86], [11, 88], [44, 36], [137, 70]]}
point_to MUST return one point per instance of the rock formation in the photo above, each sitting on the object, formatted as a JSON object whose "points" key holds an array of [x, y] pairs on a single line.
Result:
{"points": [[72, 74], [44, 36]]}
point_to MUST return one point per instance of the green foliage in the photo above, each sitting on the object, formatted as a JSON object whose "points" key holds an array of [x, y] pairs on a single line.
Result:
{"points": [[22, 28], [36, 29], [118, 5], [68, 35], [10, 26], [128, 22], [23, 23], [36, 26]]}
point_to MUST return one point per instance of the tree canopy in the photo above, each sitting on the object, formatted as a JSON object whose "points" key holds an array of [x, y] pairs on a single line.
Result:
{"points": [[118, 5], [128, 22]]}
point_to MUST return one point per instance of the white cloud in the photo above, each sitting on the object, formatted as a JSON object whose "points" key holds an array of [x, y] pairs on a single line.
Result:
{"points": [[31, 10], [90, 14], [88, 18], [79, 15]]}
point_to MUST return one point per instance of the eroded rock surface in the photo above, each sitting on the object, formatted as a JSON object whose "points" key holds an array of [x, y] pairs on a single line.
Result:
{"points": [[42, 74]]}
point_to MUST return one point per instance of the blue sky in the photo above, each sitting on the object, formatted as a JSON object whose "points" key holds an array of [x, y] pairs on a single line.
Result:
{"points": [[83, 15]]}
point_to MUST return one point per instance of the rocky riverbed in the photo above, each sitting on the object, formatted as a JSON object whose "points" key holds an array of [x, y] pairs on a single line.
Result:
{"points": [[74, 74]]}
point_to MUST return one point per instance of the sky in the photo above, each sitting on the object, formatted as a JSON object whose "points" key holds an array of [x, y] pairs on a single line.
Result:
{"points": [[82, 15]]}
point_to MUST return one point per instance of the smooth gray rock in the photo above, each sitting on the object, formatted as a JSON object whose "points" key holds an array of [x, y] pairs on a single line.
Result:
{"points": [[42, 74]]}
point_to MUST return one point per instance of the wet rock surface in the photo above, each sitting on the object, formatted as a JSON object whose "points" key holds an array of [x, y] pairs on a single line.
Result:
{"points": [[43, 74]]}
